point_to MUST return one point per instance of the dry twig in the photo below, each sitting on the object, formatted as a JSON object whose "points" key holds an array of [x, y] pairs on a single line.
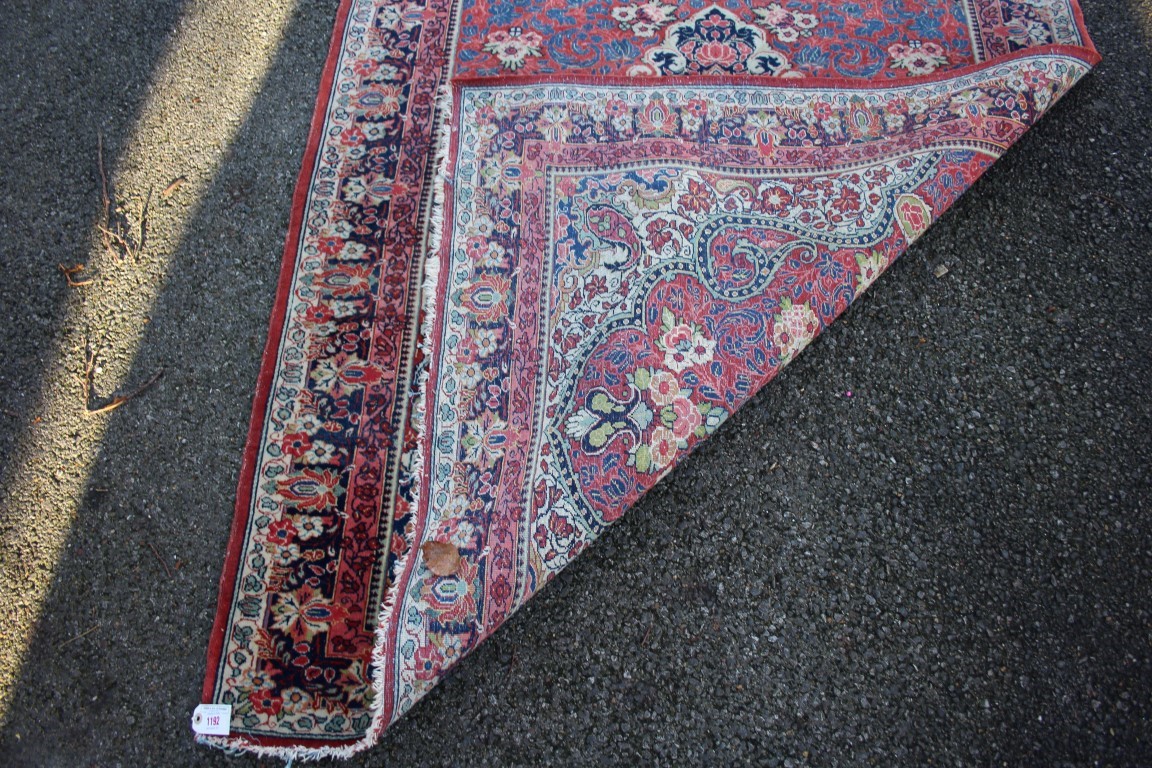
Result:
{"points": [[118, 400], [1114, 201], [144, 221], [171, 188], [80, 636], [115, 227], [159, 559], [104, 188], [68, 272]]}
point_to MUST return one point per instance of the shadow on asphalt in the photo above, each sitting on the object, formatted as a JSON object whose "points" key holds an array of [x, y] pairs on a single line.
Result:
{"points": [[951, 565], [163, 484], [69, 75]]}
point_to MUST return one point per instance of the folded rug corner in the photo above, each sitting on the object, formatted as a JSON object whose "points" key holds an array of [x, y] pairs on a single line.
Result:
{"points": [[528, 272]]}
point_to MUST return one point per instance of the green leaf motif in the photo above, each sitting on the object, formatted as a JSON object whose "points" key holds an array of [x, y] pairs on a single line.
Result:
{"points": [[598, 437], [641, 415], [643, 457], [642, 378], [714, 419], [249, 607], [601, 403]]}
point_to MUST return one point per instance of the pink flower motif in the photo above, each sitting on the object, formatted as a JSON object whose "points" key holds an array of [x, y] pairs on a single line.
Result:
{"points": [[329, 245], [918, 58], [282, 532], [775, 199], [698, 198], [914, 215], [715, 55], [615, 108], [296, 444], [663, 448], [266, 702], [687, 418], [794, 327], [664, 388], [513, 47], [697, 108], [428, 662], [774, 15], [684, 345]]}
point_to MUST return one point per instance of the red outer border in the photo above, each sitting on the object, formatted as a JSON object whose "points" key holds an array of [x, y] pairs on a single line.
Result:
{"points": [[1086, 38], [267, 372]]}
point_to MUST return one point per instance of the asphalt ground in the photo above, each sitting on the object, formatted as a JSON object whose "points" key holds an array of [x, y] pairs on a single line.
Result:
{"points": [[951, 566]]}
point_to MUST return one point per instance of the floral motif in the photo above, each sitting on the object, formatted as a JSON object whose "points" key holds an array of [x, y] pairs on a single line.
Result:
{"points": [[788, 26], [643, 19], [917, 57], [793, 328], [871, 263], [487, 297], [484, 439], [1028, 32], [914, 216], [680, 419], [684, 344], [715, 40], [663, 388], [304, 613], [514, 46]]}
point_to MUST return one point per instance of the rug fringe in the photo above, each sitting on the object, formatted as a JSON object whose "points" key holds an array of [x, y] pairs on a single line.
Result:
{"points": [[431, 309]]}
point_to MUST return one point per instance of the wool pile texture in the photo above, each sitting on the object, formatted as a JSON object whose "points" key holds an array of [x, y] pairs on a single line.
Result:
{"points": [[538, 252]]}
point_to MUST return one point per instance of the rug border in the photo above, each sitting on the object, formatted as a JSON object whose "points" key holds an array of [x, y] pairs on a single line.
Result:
{"points": [[1086, 53], [268, 364]]}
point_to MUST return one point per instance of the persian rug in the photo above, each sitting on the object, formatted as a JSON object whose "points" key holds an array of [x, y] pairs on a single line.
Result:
{"points": [[538, 252]]}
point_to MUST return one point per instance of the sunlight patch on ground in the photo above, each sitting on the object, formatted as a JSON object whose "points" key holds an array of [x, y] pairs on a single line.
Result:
{"points": [[1143, 11], [205, 85]]}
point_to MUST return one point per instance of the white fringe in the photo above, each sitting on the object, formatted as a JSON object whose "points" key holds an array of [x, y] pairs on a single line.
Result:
{"points": [[431, 308]]}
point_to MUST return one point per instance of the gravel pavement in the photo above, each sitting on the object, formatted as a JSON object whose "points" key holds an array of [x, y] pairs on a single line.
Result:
{"points": [[927, 542]]}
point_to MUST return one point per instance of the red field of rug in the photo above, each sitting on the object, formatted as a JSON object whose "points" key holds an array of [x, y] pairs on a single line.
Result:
{"points": [[538, 252]]}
